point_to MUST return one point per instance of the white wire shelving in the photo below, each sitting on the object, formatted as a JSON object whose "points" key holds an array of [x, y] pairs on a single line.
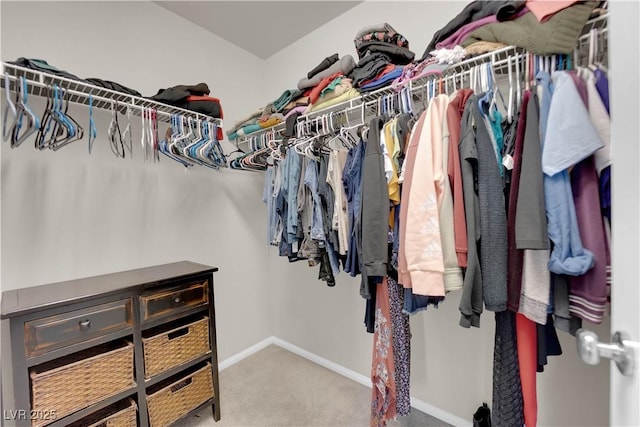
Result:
{"points": [[79, 92], [368, 105]]}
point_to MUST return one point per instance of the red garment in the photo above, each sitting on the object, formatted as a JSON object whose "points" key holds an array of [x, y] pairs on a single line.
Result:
{"points": [[193, 98], [386, 70], [383, 391], [454, 116], [317, 90], [527, 339]]}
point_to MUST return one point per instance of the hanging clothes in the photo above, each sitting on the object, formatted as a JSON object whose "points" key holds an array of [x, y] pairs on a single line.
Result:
{"points": [[383, 400], [471, 304]]}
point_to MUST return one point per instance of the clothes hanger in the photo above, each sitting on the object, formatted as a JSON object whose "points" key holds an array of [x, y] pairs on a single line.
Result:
{"points": [[40, 142], [113, 132], [9, 107], [75, 132], [127, 138], [23, 111], [93, 132]]}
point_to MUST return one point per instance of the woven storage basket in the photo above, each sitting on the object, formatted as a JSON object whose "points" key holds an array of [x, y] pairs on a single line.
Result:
{"points": [[79, 384], [173, 401], [175, 347], [123, 415]]}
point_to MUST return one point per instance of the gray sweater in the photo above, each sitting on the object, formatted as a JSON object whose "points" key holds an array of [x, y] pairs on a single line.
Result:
{"points": [[493, 220]]}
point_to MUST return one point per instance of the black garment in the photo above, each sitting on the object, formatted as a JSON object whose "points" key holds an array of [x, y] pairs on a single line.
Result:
{"points": [[548, 343], [507, 389], [325, 273], [326, 63], [475, 10], [42, 65], [562, 318], [113, 86], [398, 55], [177, 95], [375, 206], [368, 68]]}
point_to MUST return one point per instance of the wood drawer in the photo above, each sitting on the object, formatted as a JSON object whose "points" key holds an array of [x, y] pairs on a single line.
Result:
{"points": [[169, 301], [53, 332]]}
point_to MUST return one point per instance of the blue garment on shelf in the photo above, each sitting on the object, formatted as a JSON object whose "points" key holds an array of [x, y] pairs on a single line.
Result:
{"points": [[382, 81]]}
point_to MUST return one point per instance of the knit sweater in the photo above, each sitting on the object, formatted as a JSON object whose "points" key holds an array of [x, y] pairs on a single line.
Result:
{"points": [[557, 35], [493, 221]]}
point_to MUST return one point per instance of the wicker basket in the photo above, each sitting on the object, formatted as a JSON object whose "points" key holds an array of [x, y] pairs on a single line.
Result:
{"points": [[173, 401], [175, 347], [79, 384], [123, 414]]}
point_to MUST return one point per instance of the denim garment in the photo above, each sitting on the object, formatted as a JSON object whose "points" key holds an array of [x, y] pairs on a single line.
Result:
{"points": [[311, 181], [291, 179], [352, 179], [415, 303]]}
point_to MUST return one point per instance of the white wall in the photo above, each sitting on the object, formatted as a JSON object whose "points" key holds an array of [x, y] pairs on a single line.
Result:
{"points": [[451, 366], [67, 214]]}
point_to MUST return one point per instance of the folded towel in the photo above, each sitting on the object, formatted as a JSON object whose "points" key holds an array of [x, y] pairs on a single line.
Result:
{"points": [[286, 97]]}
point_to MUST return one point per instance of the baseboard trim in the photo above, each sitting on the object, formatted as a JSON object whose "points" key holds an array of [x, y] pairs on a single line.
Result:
{"points": [[366, 381], [244, 353], [339, 369], [346, 372]]}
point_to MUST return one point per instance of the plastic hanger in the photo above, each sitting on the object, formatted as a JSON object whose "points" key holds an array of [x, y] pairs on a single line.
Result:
{"points": [[23, 111], [127, 137], [9, 107], [93, 132], [113, 132]]}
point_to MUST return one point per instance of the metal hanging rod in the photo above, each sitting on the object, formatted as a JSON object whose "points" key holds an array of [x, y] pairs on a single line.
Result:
{"points": [[78, 92]]}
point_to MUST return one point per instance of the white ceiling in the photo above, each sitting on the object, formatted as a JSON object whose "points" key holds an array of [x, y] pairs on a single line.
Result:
{"points": [[260, 27]]}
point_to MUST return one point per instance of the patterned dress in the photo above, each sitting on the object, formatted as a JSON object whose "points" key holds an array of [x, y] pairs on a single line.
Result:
{"points": [[383, 400]]}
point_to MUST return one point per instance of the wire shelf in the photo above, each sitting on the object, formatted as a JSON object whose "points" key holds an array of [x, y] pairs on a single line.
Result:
{"points": [[39, 83], [368, 104]]}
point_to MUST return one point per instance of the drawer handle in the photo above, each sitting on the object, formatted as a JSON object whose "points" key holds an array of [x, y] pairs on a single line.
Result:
{"points": [[177, 300], [178, 333], [85, 324], [181, 385]]}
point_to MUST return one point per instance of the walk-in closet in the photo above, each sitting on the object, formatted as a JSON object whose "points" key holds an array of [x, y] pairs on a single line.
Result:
{"points": [[319, 213]]}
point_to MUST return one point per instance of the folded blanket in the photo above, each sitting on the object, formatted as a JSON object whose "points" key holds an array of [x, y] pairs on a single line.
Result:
{"points": [[247, 120], [344, 66], [286, 97], [271, 121], [351, 93], [559, 34], [384, 80]]}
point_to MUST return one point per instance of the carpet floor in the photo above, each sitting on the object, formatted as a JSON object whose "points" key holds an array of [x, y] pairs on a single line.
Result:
{"points": [[275, 387]]}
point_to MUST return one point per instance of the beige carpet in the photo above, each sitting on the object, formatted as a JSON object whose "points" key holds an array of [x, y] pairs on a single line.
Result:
{"points": [[275, 387]]}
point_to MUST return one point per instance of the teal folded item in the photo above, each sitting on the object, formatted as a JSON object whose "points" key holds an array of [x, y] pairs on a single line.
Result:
{"points": [[332, 86], [246, 130], [286, 97]]}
